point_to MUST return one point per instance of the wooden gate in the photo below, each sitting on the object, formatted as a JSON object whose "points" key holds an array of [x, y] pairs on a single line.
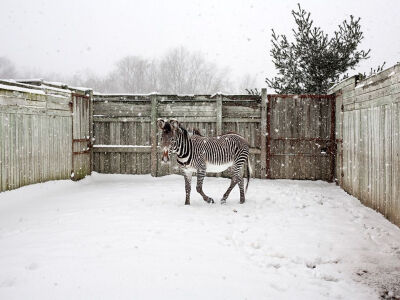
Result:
{"points": [[301, 137], [81, 135]]}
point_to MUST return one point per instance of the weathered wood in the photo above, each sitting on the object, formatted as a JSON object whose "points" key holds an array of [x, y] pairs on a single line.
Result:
{"points": [[368, 148], [263, 133], [299, 129], [213, 116], [219, 115], [35, 145], [153, 134], [81, 135]]}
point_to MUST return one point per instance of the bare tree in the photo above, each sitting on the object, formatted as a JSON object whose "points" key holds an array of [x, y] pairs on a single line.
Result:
{"points": [[184, 72], [133, 74], [246, 82], [179, 71]]}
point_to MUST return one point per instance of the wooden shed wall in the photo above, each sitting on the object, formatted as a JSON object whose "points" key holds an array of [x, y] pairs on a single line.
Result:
{"points": [[35, 136], [368, 134]]}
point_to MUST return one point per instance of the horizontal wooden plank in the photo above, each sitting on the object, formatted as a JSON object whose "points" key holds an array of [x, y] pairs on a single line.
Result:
{"points": [[186, 114], [345, 83], [12, 101], [97, 118], [376, 102], [376, 82], [122, 148], [241, 120], [121, 109], [373, 95], [233, 111]]}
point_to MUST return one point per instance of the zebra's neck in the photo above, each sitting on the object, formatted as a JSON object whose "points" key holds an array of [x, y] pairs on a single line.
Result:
{"points": [[183, 146]]}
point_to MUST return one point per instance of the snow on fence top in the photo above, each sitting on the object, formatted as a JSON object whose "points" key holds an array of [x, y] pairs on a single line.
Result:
{"points": [[7, 85], [377, 78], [173, 97]]}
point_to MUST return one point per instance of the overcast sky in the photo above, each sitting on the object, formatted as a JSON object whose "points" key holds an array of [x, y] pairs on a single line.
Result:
{"points": [[67, 36]]}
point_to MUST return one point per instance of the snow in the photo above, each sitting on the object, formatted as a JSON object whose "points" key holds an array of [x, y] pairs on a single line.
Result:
{"points": [[132, 237], [21, 89], [359, 86], [95, 93]]}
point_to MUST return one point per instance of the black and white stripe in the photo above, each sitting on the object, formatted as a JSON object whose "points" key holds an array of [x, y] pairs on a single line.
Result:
{"points": [[196, 153]]}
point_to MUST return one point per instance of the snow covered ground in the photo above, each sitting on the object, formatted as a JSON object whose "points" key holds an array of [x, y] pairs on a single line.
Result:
{"points": [[131, 237]]}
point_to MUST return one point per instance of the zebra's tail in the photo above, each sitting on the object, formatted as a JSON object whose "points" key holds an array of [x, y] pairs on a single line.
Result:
{"points": [[249, 171]]}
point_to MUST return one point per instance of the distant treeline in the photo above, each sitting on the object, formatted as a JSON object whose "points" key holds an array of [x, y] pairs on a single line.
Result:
{"points": [[178, 71]]}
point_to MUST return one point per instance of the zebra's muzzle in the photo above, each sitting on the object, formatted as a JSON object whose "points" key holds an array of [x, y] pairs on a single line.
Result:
{"points": [[165, 156]]}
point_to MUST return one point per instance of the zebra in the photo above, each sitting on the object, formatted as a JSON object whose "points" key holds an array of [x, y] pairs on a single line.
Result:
{"points": [[196, 153]]}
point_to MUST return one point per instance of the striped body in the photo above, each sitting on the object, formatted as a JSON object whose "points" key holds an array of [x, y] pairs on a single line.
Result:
{"points": [[216, 154]]}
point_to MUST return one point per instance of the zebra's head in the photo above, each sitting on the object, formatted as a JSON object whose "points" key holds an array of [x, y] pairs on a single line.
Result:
{"points": [[168, 137]]}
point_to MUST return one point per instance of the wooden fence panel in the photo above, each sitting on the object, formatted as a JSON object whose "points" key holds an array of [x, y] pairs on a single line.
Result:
{"points": [[122, 135], [135, 132], [368, 157], [35, 135], [81, 136], [300, 137]]}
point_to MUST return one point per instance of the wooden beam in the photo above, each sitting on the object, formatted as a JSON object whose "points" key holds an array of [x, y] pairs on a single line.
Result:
{"points": [[263, 129], [219, 119], [124, 148], [153, 132], [91, 123], [219, 115]]}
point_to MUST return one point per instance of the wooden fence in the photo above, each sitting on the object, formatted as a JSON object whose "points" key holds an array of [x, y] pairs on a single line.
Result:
{"points": [[368, 138], [294, 139], [36, 134], [46, 132]]}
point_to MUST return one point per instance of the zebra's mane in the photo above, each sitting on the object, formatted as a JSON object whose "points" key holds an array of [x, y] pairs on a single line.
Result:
{"points": [[188, 133], [196, 132]]}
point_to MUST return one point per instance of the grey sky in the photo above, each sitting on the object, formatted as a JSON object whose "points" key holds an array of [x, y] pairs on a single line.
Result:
{"points": [[67, 36]]}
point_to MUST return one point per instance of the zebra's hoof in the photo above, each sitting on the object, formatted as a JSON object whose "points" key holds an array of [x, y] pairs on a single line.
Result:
{"points": [[241, 201], [223, 202], [210, 200]]}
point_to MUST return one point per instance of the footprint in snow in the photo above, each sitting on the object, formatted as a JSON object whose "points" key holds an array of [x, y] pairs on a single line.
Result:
{"points": [[32, 267], [7, 283], [327, 277]]}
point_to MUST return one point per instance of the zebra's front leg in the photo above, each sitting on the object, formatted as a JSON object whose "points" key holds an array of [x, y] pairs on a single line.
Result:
{"points": [[201, 173], [188, 186]]}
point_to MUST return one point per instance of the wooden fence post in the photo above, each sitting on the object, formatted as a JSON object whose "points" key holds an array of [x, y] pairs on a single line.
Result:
{"points": [[263, 128], [91, 129], [153, 130], [219, 119], [219, 115]]}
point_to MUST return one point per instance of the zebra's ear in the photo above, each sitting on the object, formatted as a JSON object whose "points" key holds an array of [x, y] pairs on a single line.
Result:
{"points": [[160, 123], [174, 124]]}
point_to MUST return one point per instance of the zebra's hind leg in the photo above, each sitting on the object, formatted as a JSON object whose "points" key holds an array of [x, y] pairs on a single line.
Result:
{"points": [[241, 188], [201, 173], [234, 181], [188, 186]]}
